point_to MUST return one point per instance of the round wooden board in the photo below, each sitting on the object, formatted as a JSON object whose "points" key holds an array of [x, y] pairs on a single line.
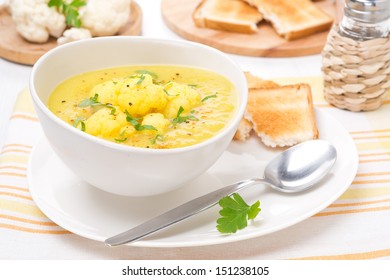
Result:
{"points": [[177, 14], [14, 48]]}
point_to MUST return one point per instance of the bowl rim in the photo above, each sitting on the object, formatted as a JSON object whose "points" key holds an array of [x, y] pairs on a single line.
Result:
{"points": [[127, 148]]}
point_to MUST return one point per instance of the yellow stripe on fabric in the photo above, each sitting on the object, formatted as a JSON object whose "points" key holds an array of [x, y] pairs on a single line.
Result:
{"points": [[25, 229], [373, 174], [21, 208], [24, 103], [18, 219], [354, 256], [353, 211], [362, 182], [366, 146], [17, 145], [13, 167], [13, 174], [335, 205], [374, 154], [16, 195], [370, 131], [14, 158], [13, 188], [5, 151], [24, 117], [364, 193], [374, 160], [371, 137]]}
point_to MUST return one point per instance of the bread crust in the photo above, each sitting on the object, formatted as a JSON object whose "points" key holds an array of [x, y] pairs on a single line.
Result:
{"points": [[293, 19], [279, 115], [282, 116], [227, 15]]}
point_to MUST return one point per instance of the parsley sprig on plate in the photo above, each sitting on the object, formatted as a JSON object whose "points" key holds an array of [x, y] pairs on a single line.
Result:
{"points": [[235, 213]]}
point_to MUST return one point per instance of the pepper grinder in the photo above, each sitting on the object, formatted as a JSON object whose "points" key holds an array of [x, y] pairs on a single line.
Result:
{"points": [[356, 57]]}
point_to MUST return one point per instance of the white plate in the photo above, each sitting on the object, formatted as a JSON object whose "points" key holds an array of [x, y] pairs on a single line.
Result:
{"points": [[95, 214]]}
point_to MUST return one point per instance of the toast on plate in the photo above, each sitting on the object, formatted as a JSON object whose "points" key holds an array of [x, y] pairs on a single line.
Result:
{"points": [[282, 116], [279, 115]]}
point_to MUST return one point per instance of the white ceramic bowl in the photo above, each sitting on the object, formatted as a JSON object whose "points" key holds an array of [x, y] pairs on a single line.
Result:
{"points": [[118, 168]]}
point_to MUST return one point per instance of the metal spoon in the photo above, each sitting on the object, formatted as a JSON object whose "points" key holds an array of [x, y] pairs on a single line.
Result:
{"points": [[294, 170]]}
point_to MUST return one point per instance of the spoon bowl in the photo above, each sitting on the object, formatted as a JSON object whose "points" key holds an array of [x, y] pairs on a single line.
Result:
{"points": [[300, 167], [295, 170]]}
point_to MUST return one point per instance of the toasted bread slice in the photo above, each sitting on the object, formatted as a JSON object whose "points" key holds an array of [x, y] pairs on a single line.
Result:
{"points": [[245, 127], [282, 116], [244, 130], [293, 19], [256, 82], [227, 15]]}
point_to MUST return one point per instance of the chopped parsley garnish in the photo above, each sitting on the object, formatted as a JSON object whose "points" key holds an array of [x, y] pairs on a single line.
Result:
{"points": [[180, 119], [79, 120], [141, 79], [142, 72], [120, 140], [136, 124], [158, 137], [235, 213], [110, 106], [167, 86], [93, 101], [209, 96], [167, 93]]}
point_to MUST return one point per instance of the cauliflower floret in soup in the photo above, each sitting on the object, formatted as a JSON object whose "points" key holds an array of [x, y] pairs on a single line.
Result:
{"points": [[104, 123], [180, 95], [139, 96]]}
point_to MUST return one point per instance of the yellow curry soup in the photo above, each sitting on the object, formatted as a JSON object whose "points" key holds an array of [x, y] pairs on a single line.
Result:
{"points": [[147, 106]]}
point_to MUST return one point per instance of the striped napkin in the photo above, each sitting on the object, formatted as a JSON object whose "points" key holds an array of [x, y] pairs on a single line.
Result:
{"points": [[356, 226]]}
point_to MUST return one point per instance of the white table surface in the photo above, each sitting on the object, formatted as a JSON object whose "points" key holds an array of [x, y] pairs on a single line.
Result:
{"points": [[15, 77]]}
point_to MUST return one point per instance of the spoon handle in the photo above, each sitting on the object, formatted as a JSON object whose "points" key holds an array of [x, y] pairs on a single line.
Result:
{"points": [[177, 214]]}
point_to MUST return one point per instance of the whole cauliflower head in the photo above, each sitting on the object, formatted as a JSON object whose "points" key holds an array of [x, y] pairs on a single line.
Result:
{"points": [[35, 21], [105, 18]]}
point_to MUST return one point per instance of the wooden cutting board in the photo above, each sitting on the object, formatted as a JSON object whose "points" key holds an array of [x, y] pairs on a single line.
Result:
{"points": [[14, 48], [177, 14]]}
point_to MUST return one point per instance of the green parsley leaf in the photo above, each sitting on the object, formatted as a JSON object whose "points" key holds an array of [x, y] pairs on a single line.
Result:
{"points": [[180, 119], [110, 106], [78, 3], [235, 213], [141, 79], [167, 86], [142, 72], [90, 101], [70, 11], [136, 124], [158, 137], [93, 101], [144, 127], [209, 96], [120, 140], [79, 120], [55, 3]]}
